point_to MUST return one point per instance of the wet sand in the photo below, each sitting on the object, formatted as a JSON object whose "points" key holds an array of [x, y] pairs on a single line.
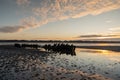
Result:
{"points": [[26, 64]]}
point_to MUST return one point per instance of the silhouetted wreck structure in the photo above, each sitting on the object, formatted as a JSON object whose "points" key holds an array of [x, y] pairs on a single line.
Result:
{"points": [[56, 48], [60, 48], [33, 46]]}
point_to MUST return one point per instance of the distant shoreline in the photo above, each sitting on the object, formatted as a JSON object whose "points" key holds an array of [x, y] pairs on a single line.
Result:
{"points": [[111, 48], [60, 41]]}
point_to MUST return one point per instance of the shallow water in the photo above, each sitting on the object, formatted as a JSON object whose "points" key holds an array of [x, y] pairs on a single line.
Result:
{"points": [[92, 61]]}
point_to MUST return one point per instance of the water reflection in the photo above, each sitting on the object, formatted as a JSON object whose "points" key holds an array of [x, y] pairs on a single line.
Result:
{"points": [[103, 44], [99, 51], [90, 50], [110, 48], [106, 52], [92, 61]]}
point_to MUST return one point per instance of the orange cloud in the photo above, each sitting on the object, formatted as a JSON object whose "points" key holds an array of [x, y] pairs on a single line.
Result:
{"points": [[74, 8], [54, 10]]}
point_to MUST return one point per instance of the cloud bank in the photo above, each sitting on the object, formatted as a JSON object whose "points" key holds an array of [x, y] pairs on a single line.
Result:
{"points": [[55, 10], [94, 36], [113, 36], [11, 29], [110, 37]]}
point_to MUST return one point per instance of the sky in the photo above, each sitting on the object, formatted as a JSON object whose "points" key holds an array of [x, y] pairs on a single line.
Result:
{"points": [[60, 20]]}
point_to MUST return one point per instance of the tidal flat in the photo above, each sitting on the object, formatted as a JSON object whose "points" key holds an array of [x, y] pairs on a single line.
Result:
{"points": [[28, 64]]}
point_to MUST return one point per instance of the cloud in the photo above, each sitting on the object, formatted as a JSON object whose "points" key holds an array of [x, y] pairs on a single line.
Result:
{"points": [[100, 36], [26, 23], [55, 10], [89, 36], [11, 29], [115, 29], [64, 9], [30, 22], [23, 2]]}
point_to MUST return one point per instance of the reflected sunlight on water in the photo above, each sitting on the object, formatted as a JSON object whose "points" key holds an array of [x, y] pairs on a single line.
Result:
{"points": [[92, 61], [99, 51], [103, 44]]}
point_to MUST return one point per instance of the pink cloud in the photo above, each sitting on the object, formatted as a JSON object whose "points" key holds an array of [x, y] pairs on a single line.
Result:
{"points": [[23, 2], [55, 10]]}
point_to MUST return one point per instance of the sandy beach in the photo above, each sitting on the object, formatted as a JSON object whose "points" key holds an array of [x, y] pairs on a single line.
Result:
{"points": [[26, 64]]}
